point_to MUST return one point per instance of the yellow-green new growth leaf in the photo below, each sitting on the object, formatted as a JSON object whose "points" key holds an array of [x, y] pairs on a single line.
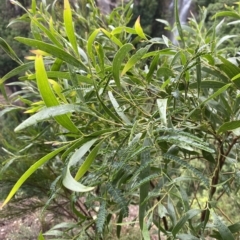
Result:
{"points": [[139, 29], [48, 95], [29, 172], [68, 23]]}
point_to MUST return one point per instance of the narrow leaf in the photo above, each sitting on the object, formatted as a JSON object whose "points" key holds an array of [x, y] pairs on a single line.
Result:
{"points": [[112, 37], [188, 166], [68, 23], [199, 74], [70, 183], [133, 60], [118, 60], [118, 109], [181, 222], [90, 44], [178, 23], [222, 228], [17, 71], [4, 45], [228, 126], [87, 163], [53, 50], [144, 189], [48, 96], [139, 29], [162, 108], [46, 114], [29, 172]]}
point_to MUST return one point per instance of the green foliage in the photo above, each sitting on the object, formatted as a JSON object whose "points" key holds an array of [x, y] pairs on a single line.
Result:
{"points": [[9, 31], [130, 124]]}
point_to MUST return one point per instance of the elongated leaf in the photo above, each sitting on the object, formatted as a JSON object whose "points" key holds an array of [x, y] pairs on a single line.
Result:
{"points": [[58, 90], [40, 236], [152, 68], [70, 183], [215, 94], [145, 232], [144, 189], [228, 126], [53, 50], [101, 217], [90, 44], [224, 38], [234, 227], [68, 180], [119, 227], [186, 237], [188, 166], [138, 29], [171, 210], [34, 6], [218, 92], [68, 23], [118, 109], [207, 84], [118, 60], [162, 108], [222, 228], [64, 75], [216, 72], [87, 163], [112, 37], [48, 96], [4, 45], [199, 74], [178, 23], [227, 14], [188, 215], [17, 71], [121, 29], [134, 59], [118, 197], [77, 156], [231, 70], [47, 32], [46, 114], [30, 171]]}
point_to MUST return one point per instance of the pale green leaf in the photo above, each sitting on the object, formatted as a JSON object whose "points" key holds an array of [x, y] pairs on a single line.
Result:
{"points": [[47, 113], [88, 161], [70, 183], [118, 109], [162, 108], [30, 171]]}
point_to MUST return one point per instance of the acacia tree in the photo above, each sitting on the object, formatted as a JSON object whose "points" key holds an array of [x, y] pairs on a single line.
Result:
{"points": [[154, 128]]}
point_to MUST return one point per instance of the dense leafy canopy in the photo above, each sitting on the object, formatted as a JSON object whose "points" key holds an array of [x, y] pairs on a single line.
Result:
{"points": [[125, 119]]}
